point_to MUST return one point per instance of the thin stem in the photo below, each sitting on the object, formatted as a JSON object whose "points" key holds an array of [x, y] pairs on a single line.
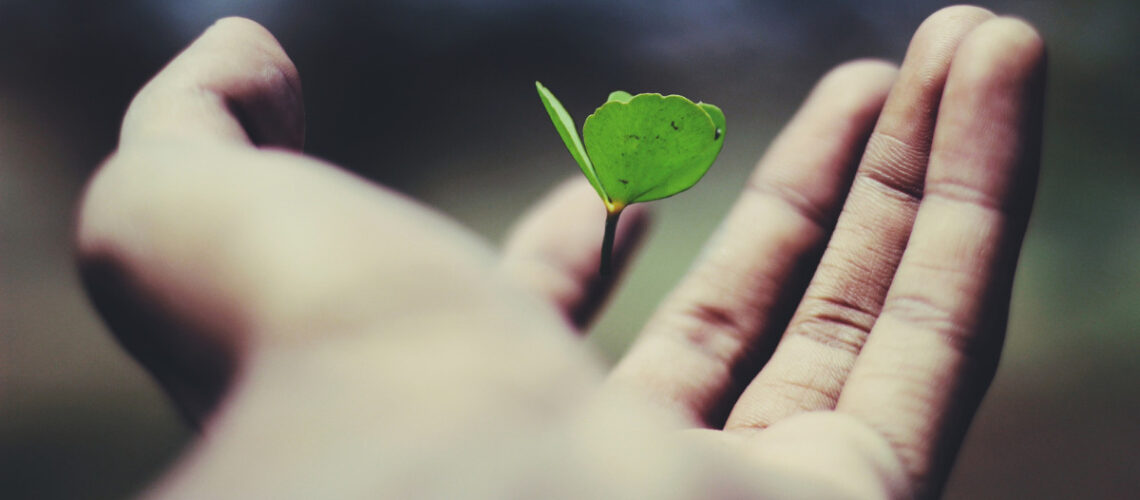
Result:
{"points": [[607, 267]]}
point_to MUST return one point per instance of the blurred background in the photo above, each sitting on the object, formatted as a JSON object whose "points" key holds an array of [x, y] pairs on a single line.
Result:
{"points": [[436, 98]]}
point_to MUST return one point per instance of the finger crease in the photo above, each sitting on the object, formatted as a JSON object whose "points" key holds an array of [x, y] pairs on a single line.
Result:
{"points": [[715, 326], [895, 165], [957, 191], [923, 314], [839, 324], [794, 199]]}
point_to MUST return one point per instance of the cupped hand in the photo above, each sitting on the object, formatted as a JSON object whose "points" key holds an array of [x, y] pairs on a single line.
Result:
{"points": [[334, 339]]}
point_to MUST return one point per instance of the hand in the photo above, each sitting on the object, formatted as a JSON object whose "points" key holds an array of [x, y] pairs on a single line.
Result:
{"points": [[334, 339]]}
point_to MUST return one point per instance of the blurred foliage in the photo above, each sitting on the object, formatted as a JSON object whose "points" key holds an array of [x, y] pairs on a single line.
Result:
{"points": [[79, 420]]}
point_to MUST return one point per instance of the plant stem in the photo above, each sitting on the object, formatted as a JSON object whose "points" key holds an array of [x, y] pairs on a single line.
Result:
{"points": [[607, 267]]}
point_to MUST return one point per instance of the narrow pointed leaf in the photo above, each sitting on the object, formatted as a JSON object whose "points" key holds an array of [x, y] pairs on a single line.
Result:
{"points": [[569, 133]]}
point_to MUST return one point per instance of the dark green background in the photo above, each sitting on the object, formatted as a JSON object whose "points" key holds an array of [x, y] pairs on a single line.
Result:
{"points": [[436, 98]]}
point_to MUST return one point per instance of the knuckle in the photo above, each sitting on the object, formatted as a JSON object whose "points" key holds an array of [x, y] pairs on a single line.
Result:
{"points": [[835, 322], [926, 314], [155, 192], [713, 329], [818, 391], [894, 165], [954, 190], [107, 199], [716, 316], [794, 199]]}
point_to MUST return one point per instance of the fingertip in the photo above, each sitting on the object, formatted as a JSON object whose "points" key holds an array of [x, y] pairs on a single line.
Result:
{"points": [[945, 28], [936, 40], [274, 101], [856, 88], [240, 26], [954, 15], [1003, 46], [240, 32], [861, 72], [234, 83]]}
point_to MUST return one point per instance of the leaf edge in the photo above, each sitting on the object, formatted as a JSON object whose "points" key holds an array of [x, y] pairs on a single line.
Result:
{"points": [[564, 124]]}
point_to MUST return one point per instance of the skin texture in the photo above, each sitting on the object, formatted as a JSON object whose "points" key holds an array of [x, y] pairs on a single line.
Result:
{"points": [[333, 339]]}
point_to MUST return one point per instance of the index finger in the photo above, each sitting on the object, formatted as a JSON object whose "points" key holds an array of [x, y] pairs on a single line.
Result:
{"points": [[234, 83]]}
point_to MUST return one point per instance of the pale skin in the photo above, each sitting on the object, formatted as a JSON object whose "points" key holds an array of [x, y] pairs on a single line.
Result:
{"points": [[333, 339]]}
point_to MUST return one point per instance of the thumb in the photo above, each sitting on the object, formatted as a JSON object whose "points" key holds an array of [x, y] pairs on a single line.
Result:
{"points": [[234, 83]]}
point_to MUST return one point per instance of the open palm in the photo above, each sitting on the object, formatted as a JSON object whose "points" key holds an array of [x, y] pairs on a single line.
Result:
{"points": [[334, 339]]}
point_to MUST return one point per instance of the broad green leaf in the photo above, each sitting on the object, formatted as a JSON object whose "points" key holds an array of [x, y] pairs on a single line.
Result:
{"points": [[652, 146], [569, 133], [620, 96]]}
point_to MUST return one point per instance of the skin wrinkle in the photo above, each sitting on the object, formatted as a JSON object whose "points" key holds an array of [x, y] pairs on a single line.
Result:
{"points": [[716, 342], [835, 323], [957, 191], [725, 339], [921, 314], [795, 200], [891, 167]]}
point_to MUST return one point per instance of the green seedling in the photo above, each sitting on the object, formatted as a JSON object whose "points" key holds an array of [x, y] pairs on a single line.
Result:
{"points": [[639, 148]]}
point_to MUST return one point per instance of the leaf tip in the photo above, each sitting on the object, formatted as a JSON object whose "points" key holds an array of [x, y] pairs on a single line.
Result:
{"points": [[619, 96]]}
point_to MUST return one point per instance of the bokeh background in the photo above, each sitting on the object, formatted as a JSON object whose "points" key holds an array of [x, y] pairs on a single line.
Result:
{"points": [[436, 98]]}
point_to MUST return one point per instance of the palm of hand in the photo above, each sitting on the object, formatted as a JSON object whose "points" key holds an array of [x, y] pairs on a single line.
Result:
{"points": [[834, 339]]}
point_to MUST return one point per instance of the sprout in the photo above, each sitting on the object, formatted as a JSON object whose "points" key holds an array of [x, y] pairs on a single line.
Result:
{"points": [[639, 148]]}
